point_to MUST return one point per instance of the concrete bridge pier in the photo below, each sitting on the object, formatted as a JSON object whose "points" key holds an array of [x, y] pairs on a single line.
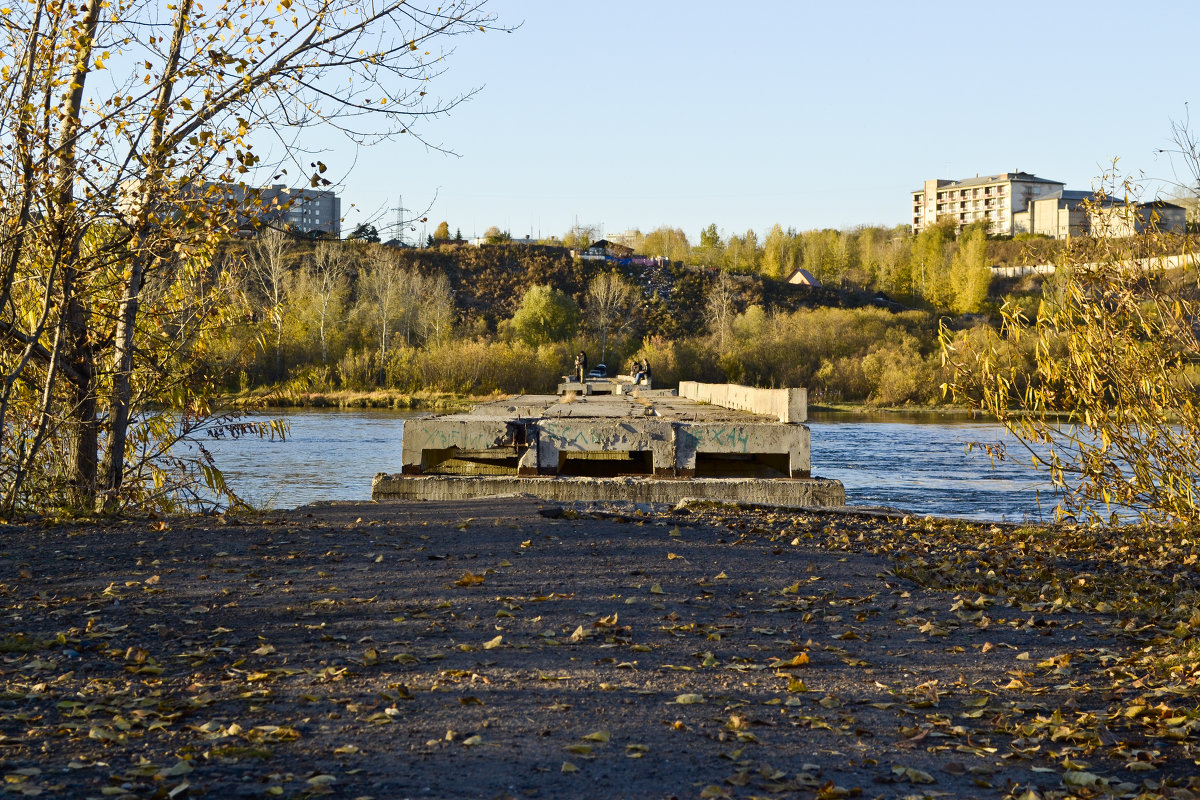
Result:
{"points": [[719, 441]]}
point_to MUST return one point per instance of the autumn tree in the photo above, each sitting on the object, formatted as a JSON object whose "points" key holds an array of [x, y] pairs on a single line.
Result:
{"points": [[545, 315], [119, 183], [435, 312], [442, 232], [1105, 402], [669, 243], [323, 287], [269, 265], [610, 307], [720, 309], [970, 272]]}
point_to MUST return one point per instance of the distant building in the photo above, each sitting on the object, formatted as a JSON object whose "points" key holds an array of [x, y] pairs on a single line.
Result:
{"points": [[1075, 213], [993, 199], [605, 249], [1058, 215], [303, 211], [630, 238], [1118, 220], [300, 210]]}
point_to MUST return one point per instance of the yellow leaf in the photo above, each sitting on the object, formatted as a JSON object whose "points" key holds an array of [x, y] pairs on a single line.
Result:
{"points": [[579, 749], [492, 644], [689, 699], [568, 767], [598, 736], [471, 741], [656, 589]]}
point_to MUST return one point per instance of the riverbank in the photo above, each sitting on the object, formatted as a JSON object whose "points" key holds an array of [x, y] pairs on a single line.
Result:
{"points": [[378, 398], [449, 401], [503, 648]]}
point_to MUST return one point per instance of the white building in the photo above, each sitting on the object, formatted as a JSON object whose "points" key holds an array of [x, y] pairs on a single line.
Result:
{"points": [[990, 198]]}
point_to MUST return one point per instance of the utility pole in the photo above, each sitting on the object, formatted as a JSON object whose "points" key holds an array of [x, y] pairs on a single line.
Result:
{"points": [[399, 223]]}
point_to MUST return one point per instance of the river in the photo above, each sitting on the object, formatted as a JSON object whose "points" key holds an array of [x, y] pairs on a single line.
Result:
{"points": [[915, 462]]}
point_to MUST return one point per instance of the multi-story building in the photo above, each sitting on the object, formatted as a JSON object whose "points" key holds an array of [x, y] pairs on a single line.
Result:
{"points": [[303, 211], [990, 198], [1071, 213], [300, 210]]}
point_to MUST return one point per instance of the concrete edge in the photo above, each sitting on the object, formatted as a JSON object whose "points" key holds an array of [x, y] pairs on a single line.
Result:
{"points": [[816, 492]]}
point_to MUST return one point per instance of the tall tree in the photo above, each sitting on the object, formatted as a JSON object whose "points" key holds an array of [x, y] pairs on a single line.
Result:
{"points": [[324, 287], [105, 176], [545, 315], [269, 263], [720, 310], [610, 307], [970, 273], [669, 243]]}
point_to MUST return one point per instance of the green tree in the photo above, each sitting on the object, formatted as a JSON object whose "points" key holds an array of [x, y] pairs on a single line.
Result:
{"points": [[711, 248], [742, 253], [970, 272], [545, 315], [931, 265], [364, 232]]}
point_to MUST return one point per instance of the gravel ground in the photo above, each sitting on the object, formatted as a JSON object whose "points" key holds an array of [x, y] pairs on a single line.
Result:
{"points": [[504, 648]]}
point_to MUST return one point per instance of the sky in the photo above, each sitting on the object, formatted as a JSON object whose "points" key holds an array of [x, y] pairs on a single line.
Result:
{"points": [[645, 113]]}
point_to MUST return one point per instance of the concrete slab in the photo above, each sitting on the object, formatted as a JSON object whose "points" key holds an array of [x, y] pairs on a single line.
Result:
{"points": [[652, 434], [783, 492]]}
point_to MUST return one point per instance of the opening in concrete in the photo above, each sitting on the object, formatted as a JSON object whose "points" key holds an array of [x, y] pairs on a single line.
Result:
{"points": [[742, 465], [453, 461], [606, 464]]}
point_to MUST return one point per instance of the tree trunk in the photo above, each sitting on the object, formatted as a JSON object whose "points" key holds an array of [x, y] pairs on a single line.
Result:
{"points": [[141, 261], [83, 442], [79, 352]]}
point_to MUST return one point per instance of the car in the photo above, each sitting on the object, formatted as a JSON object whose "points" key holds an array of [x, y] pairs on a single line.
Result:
{"points": [[600, 371]]}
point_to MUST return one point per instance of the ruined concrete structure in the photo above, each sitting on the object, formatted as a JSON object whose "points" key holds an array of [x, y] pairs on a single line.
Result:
{"points": [[720, 441]]}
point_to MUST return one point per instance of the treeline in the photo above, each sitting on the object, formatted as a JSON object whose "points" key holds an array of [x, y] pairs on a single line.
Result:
{"points": [[360, 316], [936, 268]]}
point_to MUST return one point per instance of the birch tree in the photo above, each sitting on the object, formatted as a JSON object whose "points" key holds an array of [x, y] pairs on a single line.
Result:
{"points": [[610, 307], [118, 117]]}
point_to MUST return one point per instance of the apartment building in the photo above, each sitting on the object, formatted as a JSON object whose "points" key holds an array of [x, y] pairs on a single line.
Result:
{"points": [[993, 199], [303, 211], [299, 210]]}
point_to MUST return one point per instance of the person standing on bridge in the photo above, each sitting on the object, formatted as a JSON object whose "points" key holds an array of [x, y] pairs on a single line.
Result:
{"points": [[581, 366]]}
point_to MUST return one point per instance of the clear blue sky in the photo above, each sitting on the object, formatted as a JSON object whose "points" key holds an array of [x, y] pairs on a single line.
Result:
{"points": [[638, 114]]}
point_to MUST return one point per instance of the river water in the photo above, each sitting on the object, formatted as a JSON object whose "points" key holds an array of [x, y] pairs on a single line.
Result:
{"points": [[918, 463]]}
